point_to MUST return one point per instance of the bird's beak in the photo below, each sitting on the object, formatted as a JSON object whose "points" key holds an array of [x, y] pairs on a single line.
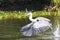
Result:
{"points": [[27, 14]]}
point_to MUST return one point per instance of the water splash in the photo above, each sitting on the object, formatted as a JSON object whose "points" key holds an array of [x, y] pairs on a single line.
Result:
{"points": [[56, 31], [56, 39]]}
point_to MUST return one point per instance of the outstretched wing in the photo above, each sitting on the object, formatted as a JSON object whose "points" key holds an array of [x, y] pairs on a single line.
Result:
{"points": [[27, 30], [40, 27], [34, 28], [31, 29], [26, 27]]}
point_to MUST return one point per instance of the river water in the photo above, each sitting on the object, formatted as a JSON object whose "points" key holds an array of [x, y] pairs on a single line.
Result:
{"points": [[47, 35]]}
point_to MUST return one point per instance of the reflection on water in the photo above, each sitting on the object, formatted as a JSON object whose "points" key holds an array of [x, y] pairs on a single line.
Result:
{"points": [[48, 35]]}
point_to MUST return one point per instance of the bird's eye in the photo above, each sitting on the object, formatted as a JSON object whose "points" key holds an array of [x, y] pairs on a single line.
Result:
{"points": [[37, 20], [49, 21]]}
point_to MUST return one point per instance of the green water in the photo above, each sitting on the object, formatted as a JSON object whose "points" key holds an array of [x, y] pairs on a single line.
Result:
{"points": [[9, 30]]}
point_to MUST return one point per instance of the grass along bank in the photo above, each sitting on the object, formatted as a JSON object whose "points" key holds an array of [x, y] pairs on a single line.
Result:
{"points": [[22, 14]]}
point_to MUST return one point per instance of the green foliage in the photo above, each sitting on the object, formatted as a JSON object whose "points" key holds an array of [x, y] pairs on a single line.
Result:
{"points": [[56, 2], [23, 14]]}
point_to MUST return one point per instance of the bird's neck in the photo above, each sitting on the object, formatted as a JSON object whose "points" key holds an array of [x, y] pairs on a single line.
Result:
{"points": [[30, 18]]}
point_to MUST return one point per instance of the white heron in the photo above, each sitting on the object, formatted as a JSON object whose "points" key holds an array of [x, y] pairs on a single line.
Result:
{"points": [[36, 26]]}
